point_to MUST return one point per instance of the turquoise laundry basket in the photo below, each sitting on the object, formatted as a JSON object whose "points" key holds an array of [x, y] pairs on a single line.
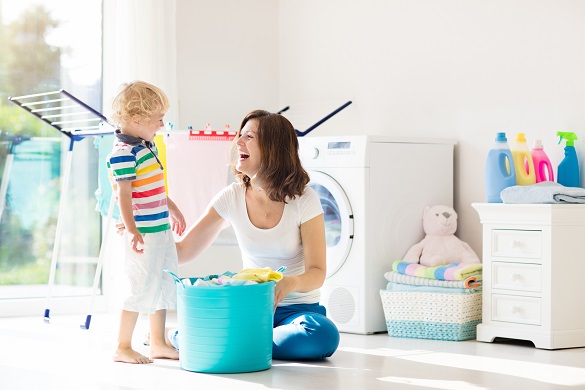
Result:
{"points": [[225, 329]]}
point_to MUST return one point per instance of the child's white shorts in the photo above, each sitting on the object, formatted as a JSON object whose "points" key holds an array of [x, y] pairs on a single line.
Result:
{"points": [[151, 288]]}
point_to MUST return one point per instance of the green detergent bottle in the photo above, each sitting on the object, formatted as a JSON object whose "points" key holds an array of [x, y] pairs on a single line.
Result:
{"points": [[568, 170]]}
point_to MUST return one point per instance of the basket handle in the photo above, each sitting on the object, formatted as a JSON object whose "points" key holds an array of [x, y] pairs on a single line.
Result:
{"points": [[175, 277]]}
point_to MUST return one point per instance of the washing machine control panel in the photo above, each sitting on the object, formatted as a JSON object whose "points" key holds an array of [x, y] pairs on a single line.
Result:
{"points": [[332, 151]]}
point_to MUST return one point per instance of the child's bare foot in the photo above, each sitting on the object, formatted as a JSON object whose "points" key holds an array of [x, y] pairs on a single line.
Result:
{"points": [[128, 355], [163, 352], [167, 340]]}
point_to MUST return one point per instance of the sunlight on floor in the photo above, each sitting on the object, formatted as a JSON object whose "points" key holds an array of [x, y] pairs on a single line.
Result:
{"points": [[546, 373], [432, 384], [61, 356]]}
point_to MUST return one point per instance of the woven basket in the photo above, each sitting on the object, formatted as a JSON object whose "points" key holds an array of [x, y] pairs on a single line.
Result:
{"points": [[427, 315]]}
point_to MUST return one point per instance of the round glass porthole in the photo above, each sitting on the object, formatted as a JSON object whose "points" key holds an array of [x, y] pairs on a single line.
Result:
{"points": [[338, 219]]}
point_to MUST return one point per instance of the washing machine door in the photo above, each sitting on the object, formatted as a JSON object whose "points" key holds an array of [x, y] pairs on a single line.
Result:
{"points": [[338, 219]]}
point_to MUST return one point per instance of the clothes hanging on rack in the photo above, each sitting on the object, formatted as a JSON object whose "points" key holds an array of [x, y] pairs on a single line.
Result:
{"points": [[196, 171]]}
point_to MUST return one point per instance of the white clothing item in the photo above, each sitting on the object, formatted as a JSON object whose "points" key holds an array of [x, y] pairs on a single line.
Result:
{"points": [[276, 247], [196, 171], [151, 288]]}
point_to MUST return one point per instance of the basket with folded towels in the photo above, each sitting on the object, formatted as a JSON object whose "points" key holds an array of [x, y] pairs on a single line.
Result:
{"points": [[441, 303]]}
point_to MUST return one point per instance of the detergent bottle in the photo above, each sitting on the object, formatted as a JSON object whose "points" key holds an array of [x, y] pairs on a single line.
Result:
{"points": [[568, 170], [523, 162], [543, 170], [499, 169]]}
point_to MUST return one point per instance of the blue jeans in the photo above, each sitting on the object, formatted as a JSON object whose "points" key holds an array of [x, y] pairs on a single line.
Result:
{"points": [[301, 332]]}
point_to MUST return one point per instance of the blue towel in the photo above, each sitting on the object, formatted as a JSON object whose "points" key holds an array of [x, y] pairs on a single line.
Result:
{"points": [[543, 192], [398, 287]]}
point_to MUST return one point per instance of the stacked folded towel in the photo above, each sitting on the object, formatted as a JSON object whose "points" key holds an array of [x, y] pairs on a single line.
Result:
{"points": [[449, 278], [544, 192]]}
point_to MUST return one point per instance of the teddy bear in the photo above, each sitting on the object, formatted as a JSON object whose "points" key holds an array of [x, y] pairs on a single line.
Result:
{"points": [[440, 246]]}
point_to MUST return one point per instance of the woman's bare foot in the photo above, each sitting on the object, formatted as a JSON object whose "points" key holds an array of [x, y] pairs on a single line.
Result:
{"points": [[163, 352], [128, 355]]}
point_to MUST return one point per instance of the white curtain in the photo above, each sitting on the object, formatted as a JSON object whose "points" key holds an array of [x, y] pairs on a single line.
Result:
{"points": [[140, 44]]}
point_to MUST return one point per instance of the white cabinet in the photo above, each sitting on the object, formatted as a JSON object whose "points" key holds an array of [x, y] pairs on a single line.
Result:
{"points": [[533, 273]]}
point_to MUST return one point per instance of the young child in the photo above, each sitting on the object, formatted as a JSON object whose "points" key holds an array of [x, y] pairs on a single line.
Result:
{"points": [[149, 215]]}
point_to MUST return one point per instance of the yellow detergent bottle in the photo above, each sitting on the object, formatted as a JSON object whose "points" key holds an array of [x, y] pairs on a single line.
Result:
{"points": [[523, 161]]}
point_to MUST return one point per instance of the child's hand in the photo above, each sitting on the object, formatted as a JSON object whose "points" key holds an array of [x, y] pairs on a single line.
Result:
{"points": [[120, 228], [135, 239], [178, 223]]}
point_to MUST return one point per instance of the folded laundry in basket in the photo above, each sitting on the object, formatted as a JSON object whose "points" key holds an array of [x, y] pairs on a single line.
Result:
{"points": [[453, 271], [223, 281], [469, 282], [260, 275], [399, 287], [543, 192], [243, 278]]}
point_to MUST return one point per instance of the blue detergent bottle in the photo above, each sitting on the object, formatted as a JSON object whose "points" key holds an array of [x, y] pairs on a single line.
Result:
{"points": [[499, 169], [568, 170]]}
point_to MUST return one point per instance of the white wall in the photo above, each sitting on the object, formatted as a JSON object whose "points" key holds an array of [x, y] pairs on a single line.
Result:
{"points": [[458, 69], [442, 68], [227, 66], [226, 60]]}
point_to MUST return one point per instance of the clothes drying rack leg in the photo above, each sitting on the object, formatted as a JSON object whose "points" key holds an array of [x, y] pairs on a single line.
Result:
{"points": [[100, 263], [4, 183], [59, 229], [15, 140]]}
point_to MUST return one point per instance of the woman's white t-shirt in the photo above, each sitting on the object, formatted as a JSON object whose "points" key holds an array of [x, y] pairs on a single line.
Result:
{"points": [[275, 247]]}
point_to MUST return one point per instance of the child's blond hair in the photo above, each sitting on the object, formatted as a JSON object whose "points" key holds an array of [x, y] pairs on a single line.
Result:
{"points": [[138, 98]]}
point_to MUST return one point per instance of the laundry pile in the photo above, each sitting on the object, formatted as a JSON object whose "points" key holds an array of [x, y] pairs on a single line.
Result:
{"points": [[245, 277]]}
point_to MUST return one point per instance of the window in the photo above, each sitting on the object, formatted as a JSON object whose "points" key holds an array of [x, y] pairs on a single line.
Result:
{"points": [[47, 45]]}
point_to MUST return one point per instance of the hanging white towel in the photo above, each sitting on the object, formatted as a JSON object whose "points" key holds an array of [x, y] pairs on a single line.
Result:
{"points": [[196, 171]]}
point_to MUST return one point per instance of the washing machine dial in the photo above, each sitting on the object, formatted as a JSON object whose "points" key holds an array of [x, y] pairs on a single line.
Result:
{"points": [[315, 153]]}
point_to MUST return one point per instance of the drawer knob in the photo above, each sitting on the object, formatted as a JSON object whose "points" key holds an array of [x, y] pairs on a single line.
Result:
{"points": [[516, 310], [517, 244], [516, 277]]}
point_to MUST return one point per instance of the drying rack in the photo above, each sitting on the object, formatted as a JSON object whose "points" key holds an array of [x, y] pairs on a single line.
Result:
{"points": [[13, 141], [76, 120], [320, 121]]}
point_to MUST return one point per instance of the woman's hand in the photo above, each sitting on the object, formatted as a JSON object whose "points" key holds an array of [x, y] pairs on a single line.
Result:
{"points": [[283, 287]]}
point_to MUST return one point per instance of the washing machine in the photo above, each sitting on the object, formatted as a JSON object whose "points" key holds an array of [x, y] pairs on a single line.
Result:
{"points": [[373, 190]]}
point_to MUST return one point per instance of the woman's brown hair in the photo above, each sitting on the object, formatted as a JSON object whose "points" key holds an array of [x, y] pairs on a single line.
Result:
{"points": [[281, 171]]}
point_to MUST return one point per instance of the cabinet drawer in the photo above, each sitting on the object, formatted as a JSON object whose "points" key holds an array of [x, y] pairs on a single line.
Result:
{"points": [[517, 277], [517, 243], [519, 310]]}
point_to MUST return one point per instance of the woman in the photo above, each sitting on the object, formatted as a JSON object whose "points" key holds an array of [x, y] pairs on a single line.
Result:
{"points": [[278, 221]]}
